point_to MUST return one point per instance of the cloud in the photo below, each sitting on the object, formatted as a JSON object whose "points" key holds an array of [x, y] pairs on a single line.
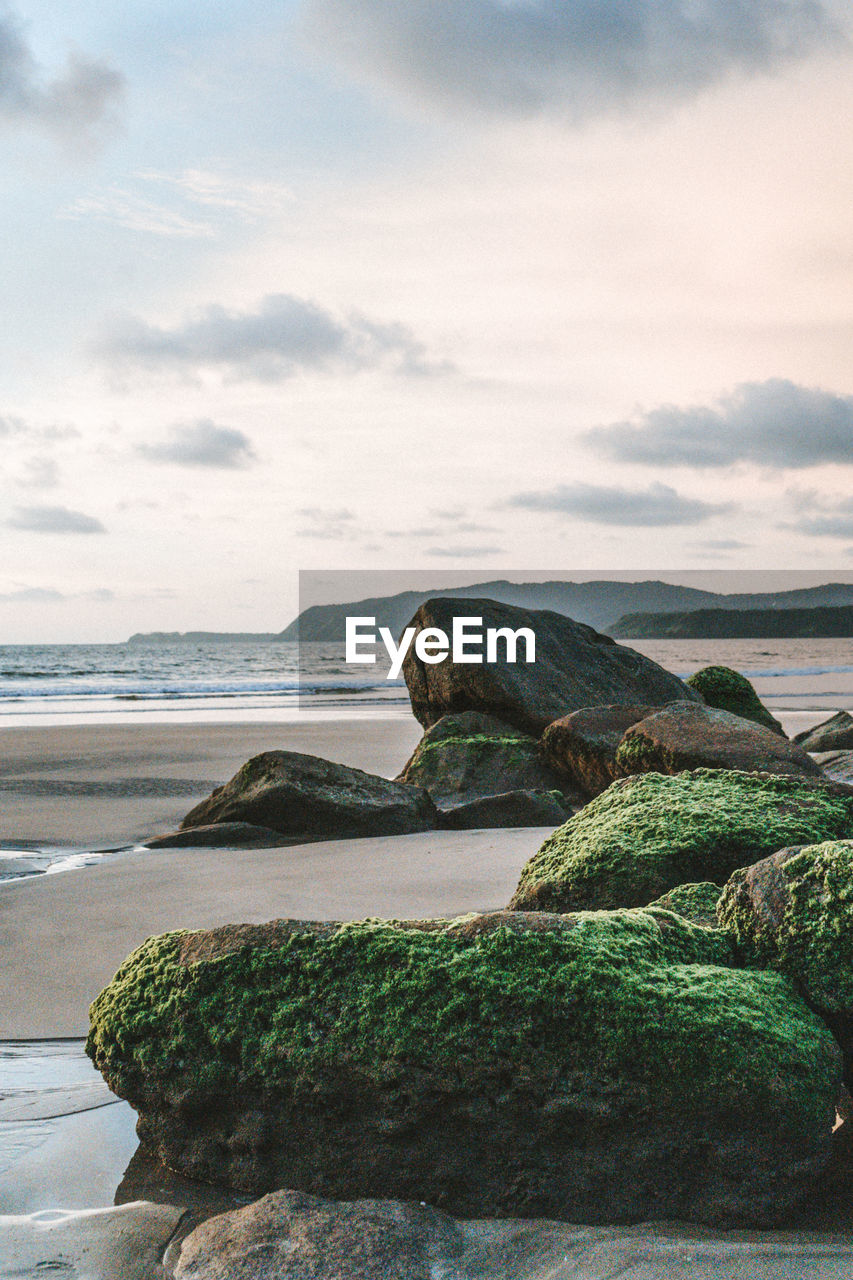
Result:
{"points": [[657, 505], [720, 544], [464, 553], [580, 57], [284, 336], [54, 520], [73, 106], [202, 444], [774, 423], [39, 473], [325, 523], [821, 517]]}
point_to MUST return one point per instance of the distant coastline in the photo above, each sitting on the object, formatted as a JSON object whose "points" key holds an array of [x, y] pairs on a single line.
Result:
{"points": [[738, 624]]}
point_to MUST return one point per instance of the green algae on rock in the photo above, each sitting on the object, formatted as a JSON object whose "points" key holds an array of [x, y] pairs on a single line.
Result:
{"points": [[794, 912], [649, 833], [694, 902], [728, 690], [608, 1064]]}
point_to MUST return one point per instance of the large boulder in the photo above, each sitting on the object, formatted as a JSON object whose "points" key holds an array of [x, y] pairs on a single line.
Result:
{"points": [[583, 745], [469, 755], [793, 911], [599, 1067], [687, 736], [509, 809], [728, 690], [306, 798], [837, 765], [575, 667], [647, 834], [834, 734]]}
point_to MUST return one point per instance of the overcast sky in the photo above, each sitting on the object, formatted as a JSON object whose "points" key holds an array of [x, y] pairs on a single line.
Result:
{"points": [[558, 284]]}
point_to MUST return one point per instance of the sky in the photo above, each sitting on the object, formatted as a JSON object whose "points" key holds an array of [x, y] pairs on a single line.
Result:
{"points": [[388, 284]]}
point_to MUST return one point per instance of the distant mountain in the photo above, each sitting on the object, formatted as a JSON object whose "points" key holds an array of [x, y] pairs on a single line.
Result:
{"points": [[199, 637], [737, 624], [599, 604]]}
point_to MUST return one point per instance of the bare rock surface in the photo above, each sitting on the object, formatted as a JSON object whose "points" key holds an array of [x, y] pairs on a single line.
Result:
{"points": [[583, 745], [689, 736], [834, 734], [292, 1236], [307, 798], [508, 809], [575, 667], [218, 835], [837, 765]]}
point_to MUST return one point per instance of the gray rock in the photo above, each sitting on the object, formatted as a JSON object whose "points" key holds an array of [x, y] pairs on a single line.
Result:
{"points": [[687, 736], [465, 756], [307, 798], [575, 667], [834, 734], [510, 809], [837, 765], [218, 835], [292, 1236], [583, 745]]}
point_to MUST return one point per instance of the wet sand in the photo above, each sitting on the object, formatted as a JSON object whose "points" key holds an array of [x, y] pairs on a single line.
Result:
{"points": [[117, 784]]}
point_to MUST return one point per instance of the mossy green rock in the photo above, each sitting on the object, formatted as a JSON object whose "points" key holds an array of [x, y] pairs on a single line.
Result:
{"points": [[794, 912], [728, 690], [649, 833], [468, 755], [694, 902], [596, 1067]]}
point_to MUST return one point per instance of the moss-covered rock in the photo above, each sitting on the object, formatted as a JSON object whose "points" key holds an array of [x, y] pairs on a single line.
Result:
{"points": [[602, 1066], [728, 690], [469, 755], [583, 745], [694, 902], [649, 833], [794, 912]]}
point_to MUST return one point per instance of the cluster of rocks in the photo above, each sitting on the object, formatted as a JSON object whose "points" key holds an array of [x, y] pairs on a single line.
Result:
{"points": [[658, 1025], [507, 744]]}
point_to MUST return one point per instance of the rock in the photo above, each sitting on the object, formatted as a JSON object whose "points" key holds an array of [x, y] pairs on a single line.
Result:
{"points": [[575, 667], [511, 809], [834, 734], [837, 765], [687, 736], [292, 1236], [647, 834], [218, 835], [793, 911], [89, 1244], [728, 690], [307, 798], [695, 902], [462, 757], [583, 745], [601, 1067]]}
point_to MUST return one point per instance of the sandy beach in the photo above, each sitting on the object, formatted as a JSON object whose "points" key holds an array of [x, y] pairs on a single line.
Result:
{"points": [[64, 935]]}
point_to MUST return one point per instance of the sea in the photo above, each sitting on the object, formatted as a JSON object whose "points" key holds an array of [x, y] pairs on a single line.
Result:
{"points": [[239, 681]]}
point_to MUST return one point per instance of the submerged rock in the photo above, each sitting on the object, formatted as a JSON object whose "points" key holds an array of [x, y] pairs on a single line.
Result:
{"points": [[687, 736], [575, 667], [834, 734], [647, 834], [462, 757], [583, 745], [307, 798], [604, 1067], [728, 690], [793, 911]]}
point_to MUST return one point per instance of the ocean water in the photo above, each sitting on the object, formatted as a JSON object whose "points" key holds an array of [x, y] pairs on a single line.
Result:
{"points": [[275, 680]]}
